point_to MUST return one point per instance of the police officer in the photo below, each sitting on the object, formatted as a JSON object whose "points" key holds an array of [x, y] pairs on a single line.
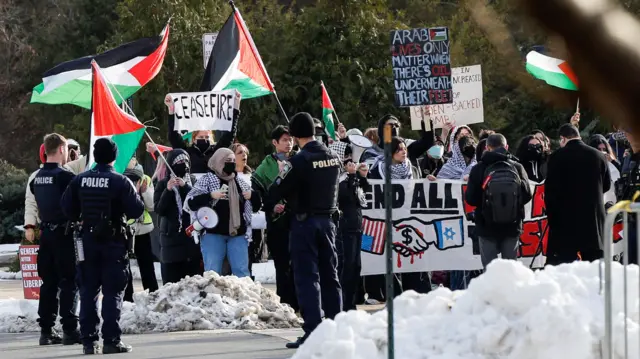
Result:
{"points": [[309, 183], [101, 199], [56, 262]]}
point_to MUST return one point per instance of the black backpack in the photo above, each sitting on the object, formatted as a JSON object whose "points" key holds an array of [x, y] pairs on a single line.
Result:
{"points": [[501, 194]]}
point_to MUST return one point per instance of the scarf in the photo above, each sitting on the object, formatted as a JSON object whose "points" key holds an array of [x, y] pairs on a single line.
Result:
{"points": [[455, 167], [183, 157], [398, 171], [216, 164]]}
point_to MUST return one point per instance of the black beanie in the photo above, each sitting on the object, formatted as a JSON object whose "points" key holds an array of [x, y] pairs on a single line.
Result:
{"points": [[105, 151], [302, 125]]}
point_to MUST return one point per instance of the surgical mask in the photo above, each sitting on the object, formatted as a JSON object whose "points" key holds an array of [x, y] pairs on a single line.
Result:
{"points": [[469, 151], [203, 145], [436, 152], [180, 169], [229, 168]]}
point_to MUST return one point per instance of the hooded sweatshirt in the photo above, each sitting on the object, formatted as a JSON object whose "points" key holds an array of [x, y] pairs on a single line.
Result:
{"points": [[415, 149]]}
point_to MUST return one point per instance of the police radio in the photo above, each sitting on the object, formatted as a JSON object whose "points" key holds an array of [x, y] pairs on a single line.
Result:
{"points": [[206, 218]]}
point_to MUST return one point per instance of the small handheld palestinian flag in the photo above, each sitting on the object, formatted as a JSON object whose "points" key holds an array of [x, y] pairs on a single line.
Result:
{"points": [[129, 67], [161, 149], [328, 112], [553, 71], [110, 121], [235, 62]]}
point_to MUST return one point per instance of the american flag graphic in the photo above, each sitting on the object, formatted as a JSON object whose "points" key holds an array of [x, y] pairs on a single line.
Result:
{"points": [[373, 236]]}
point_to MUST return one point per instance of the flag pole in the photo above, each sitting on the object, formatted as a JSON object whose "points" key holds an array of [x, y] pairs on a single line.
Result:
{"points": [[388, 236], [578, 106], [124, 102], [280, 105]]}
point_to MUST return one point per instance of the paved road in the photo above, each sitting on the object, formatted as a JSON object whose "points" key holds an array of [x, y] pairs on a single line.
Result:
{"points": [[267, 344]]}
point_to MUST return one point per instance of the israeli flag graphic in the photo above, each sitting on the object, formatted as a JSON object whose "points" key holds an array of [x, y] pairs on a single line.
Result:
{"points": [[449, 232]]}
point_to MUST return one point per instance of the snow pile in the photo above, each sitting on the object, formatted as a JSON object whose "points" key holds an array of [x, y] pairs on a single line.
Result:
{"points": [[10, 275], [209, 302], [18, 315], [509, 312]]}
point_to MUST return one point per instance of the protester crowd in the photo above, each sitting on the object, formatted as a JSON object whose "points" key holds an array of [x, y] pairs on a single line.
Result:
{"points": [[579, 177]]}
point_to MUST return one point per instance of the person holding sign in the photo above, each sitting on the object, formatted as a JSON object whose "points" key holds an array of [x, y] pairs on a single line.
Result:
{"points": [[201, 146]]}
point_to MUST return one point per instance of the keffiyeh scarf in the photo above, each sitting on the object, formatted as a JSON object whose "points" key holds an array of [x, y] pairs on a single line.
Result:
{"points": [[398, 171], [455, 167], [181, 158]]}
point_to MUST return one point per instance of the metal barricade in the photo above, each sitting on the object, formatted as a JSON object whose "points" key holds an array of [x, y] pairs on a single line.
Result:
{"points": [[627, 208]]}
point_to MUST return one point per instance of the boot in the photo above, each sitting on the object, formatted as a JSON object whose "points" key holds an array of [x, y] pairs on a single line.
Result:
{"points": [[116, 348], [91, 348], [50, 337], [298, 343], [71, 338]]}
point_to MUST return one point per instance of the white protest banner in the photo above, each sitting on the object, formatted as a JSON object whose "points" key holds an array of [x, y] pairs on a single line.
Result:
{"points": [[208, 40], [466, 107], [431, 231], [210, 110]]}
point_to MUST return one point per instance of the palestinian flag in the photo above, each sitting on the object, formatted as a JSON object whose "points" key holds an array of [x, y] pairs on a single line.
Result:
{"points": [[127, 68], [161, 149], [235, 62], [327, 112], [109, 120], [553, 71]]}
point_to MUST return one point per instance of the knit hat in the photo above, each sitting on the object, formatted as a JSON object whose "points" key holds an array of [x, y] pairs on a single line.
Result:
{"points": [[135, 174], [105, 151], [302, 126], [43, 154]]}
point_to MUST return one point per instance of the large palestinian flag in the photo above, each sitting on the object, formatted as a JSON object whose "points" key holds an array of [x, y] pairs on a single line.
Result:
{"points": [[128, 68], [109, 120], [553, 71], [235, 62]]}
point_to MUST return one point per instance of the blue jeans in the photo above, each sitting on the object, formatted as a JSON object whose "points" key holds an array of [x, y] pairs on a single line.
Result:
{"points": [[216, 246]]}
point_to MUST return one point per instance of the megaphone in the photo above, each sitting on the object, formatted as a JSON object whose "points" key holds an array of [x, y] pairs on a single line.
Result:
{"points": [[359, 144], [206, 218]]}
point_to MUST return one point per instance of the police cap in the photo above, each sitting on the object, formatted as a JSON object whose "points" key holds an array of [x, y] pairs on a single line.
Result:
{"points": [[302, 125], [105, 151]]}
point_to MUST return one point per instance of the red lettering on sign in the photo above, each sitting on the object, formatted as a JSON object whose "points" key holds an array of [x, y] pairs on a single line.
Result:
{"points": [[467, 207], [406, 49], [538, 207], [530, 238], [617, 230], [31, 281]]}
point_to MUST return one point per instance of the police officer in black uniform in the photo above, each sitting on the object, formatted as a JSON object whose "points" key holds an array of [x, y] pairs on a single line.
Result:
{"points": [[101, 199], [309, 183], [56, 260]]}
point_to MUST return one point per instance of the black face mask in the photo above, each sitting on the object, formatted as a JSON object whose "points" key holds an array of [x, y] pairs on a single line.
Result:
{"points": [[229, 168], [469, 151], [203, 145], [534, 152], [180, 169]]}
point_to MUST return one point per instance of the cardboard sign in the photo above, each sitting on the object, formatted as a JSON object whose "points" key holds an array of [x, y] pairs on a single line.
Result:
{"points": [[431, 231], [211, 110], [467, 106], [31, 281], [208, 40], [421, 66], [417, 116]]}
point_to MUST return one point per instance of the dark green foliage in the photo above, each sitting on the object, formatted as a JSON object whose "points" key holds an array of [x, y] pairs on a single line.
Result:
{"points": [[13, 182]]}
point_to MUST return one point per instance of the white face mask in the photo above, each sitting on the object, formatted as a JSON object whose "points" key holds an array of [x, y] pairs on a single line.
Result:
{"points": [[436, 152]]}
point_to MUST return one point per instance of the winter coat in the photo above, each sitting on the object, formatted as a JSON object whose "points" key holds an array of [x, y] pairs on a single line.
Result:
{"points": [[145, 224], [31, 216], [349, 202], [175, 245], [261, 180], [577, 177], [474, 195], [77, 166], [199, 159], [455, 168]]}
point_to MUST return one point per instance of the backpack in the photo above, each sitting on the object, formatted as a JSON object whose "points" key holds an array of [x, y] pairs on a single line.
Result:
{"points": [[501, 194]]}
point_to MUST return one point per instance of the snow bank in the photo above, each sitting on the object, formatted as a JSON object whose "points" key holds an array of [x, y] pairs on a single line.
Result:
{"points": [[208, 302], [10, 275], [509, 312], [196, 303]]}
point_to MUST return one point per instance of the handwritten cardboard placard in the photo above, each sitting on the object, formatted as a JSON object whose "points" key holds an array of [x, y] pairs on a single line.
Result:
{"points": [[421, 66], [210, 110]]}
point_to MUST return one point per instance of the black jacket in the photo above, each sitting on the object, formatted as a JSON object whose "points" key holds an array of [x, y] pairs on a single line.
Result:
{"points": [[175, 245], [474, 195], [349, 202], [414, 150], [577, 177], [199, 159]]}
